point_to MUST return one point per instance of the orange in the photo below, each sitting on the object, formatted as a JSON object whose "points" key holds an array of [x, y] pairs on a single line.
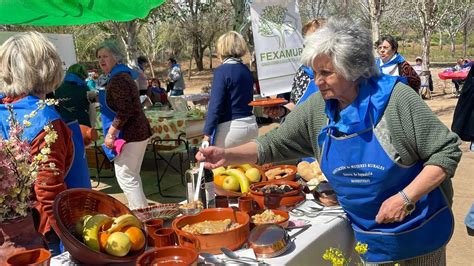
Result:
{"points": [[136, 236], [219, 180], [103, 240]]}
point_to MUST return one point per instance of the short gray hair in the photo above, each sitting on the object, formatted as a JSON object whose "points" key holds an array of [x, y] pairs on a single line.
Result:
{"points": [[347, 43], [29, 64], [113, 48]]}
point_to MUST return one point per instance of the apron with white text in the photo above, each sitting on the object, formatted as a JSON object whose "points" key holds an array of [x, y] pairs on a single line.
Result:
{"points": [[363, 177]]}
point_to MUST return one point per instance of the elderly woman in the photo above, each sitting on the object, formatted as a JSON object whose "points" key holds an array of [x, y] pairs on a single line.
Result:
{"points": [[393, 64], [386, 154], [123, 118], [31, 68], [229, 118]]}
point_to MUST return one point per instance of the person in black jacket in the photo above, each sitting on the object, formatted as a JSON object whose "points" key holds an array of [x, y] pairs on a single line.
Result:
{"points": [[463, 120]]}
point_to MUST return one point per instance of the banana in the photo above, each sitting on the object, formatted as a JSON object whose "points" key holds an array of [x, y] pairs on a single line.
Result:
{"points": [[124, 220], [246, 166], [243, 180], [218, 171], [79, 228], [91, 230]]}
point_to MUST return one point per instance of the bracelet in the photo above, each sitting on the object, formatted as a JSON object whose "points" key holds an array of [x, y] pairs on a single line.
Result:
{"points": [[110, 136]]}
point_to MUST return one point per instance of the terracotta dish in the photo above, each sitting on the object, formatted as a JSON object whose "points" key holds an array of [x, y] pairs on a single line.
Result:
{"points": [[37, 257], [172, 255], [289, 199], [211, 243], [268, 102], [70, 205], [281, 172], [283, 223]]}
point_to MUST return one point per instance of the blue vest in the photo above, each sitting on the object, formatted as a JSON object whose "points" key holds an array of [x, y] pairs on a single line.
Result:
{"points": [[77, 175], [364, 176]]}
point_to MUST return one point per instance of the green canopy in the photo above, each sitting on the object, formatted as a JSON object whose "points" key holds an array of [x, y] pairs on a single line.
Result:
{"points": [[72, 12]]}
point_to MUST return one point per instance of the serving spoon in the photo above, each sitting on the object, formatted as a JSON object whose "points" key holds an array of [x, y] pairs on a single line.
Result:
{"points": [[211, 258], [231, 254]]}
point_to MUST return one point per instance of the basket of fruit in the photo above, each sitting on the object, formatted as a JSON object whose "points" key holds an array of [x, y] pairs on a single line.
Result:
{"points": [[235, 180], [96, 228]]}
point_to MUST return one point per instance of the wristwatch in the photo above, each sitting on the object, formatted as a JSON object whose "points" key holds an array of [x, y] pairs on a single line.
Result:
{"points": [[408, 205]]}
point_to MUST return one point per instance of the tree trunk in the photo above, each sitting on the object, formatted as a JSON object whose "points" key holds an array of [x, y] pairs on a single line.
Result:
{"points": [[210, 56], [464, 40], [239, 6], [375, 10], [453, 46], [440, 40]]}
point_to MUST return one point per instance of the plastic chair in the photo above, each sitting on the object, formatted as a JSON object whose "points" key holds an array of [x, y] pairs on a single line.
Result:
{"points": [[159, 152]]}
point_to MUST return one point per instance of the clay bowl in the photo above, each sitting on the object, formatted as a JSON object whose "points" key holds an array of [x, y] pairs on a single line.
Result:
{"points": [[288, 200], [88, 134], [38, 257], [211, 243], [168, 256], [289, 176], [70, 205], [233, 194], [283, 223]]}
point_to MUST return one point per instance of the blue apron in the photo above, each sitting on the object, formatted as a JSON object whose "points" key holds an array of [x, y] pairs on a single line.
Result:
{"points": [[107, 115], [364, 176], [77, 175]]}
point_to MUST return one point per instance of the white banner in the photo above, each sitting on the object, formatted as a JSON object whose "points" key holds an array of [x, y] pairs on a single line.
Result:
{"points": [[64, 44], [276, 26]]}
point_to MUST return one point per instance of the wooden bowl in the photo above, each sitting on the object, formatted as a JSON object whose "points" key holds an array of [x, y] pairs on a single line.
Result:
{"points": [[289, 177], [70, 205], [220, 191], [211, 243], [168, 256], [283, 223], [288, 200]]}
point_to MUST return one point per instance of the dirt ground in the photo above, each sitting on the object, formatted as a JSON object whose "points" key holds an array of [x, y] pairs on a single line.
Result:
{"points": [[460, 250]]}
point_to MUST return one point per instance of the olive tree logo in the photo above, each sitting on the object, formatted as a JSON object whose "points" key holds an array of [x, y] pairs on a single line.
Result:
{"points": [[276, 22]]}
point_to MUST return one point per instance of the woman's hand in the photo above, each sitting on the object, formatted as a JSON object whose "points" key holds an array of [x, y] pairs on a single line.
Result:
{"points": [[274, 112], [109, 141], [212, 156], [392, 210]]}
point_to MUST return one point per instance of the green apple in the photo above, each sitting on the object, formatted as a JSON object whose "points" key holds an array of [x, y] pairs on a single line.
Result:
{"points": [[218, 171], [253, 174], [231, 183]]}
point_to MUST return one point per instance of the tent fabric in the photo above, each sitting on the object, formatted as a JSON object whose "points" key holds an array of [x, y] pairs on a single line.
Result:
{"points": [[73, 12]]}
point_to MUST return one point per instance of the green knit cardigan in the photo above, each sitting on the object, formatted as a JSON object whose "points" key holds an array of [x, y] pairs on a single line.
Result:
{"points": [[414, 132]]}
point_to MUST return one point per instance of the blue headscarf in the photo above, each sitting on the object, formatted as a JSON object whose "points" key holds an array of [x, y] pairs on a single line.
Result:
{"points": [[365, 111]]}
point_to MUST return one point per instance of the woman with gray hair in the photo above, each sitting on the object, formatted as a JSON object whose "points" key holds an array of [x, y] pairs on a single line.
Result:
{"points": [[374, 140], [30, 68], [123, 118]]}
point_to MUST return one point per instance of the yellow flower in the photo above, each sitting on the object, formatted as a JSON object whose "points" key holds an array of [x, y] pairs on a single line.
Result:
{"points": [[26, 123], [361, 248], [46, 150]]}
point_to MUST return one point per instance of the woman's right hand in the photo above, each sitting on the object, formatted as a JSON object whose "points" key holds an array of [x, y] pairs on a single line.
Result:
{"points": [[212, 156], [274, 112]]}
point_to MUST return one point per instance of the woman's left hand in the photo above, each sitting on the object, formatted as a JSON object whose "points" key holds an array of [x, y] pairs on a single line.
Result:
{"points": [[392, 210], [109, 142]]}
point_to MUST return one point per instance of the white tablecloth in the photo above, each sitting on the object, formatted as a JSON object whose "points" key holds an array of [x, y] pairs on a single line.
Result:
{"points": [[308, 246]]}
